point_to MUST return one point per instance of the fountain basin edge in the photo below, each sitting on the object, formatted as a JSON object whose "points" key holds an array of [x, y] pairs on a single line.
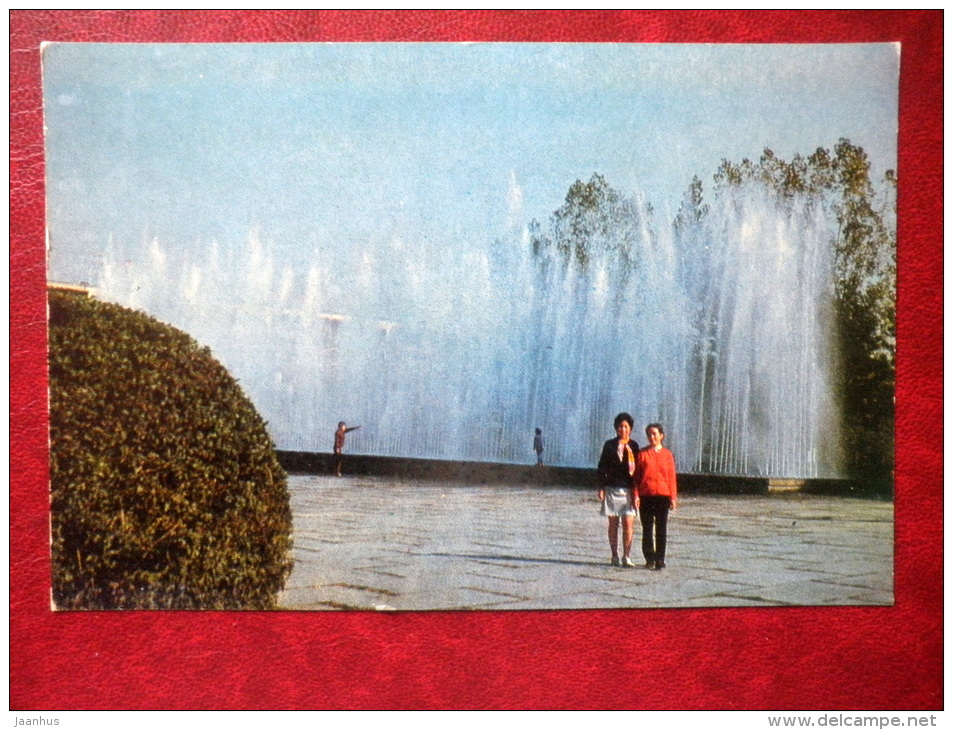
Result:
{"points": [[492, 473]]}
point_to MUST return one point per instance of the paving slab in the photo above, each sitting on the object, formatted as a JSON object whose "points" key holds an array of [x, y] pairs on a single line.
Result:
{"points": [[382, 543]]}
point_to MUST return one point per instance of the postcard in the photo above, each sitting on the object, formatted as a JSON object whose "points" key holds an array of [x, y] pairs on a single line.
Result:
{"points": [[471, 326]]}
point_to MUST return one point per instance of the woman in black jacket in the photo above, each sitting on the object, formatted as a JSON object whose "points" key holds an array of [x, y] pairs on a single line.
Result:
{"points": [[616, 490]]}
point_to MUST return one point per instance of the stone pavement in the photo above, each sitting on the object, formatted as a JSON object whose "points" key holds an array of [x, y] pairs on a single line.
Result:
{"points": [[373, 543]]}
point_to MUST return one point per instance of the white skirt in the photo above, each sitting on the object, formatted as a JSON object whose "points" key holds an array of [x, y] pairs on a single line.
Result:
{"points": [[618, 502]]}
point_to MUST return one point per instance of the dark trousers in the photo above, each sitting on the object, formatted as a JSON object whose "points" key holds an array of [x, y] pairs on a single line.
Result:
{"points": [[653, 512]]}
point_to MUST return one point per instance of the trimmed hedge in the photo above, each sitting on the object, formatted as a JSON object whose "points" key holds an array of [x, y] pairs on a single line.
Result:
{"points": [[165, 488]]}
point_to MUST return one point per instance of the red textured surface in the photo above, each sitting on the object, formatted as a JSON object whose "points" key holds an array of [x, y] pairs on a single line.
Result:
{"points": [[886, 658]]}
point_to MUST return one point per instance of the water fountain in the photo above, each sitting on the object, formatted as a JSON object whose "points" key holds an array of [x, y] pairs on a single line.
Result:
{"points": [[459, 352]]}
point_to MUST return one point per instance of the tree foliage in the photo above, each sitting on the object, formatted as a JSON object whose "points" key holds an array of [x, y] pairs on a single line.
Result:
{"points": [[165, 488], [864, 282], [865, 246], [594, 218], [693, 208]]}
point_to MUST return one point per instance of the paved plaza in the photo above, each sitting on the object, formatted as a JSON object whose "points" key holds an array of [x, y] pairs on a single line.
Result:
{"points": [[373, 543]]}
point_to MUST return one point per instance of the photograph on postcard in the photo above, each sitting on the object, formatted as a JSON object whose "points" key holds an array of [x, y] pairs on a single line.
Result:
{"points": [[471, 326]]}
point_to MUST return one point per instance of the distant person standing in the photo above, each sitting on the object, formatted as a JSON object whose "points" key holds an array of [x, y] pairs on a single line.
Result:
{"points": [[339, 445], [538, 446], [657, 494], [616, 488]]}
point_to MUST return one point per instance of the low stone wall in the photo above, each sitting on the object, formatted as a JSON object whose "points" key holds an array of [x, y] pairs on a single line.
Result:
{"points": [[468, 472], [722, 484], [475, 472]]}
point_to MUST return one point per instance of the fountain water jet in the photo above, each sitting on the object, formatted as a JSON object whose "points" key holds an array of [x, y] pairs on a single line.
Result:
{"points": [[722, 332]]}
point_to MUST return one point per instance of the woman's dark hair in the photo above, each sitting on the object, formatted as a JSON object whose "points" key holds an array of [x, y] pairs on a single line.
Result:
{"points": [[539, 430], [623, 417], [654, 425]]}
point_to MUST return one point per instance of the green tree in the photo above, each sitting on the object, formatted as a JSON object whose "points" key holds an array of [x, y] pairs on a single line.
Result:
{"points": [[165, 488], [693, 208], [594, 218], [864, 282]]}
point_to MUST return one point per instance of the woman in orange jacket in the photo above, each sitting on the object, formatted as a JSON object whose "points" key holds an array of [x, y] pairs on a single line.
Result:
{"points": [[657, 491]]}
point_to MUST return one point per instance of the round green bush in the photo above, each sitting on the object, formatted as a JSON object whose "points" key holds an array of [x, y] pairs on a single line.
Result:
{"points": [[165, 488]]}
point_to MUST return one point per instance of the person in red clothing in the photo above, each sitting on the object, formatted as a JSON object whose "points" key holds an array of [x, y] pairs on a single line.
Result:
{"points": [[339, 445], [657, 494]]}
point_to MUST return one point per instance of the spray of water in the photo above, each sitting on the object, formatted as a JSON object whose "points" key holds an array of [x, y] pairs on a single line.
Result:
{"points": [[722, 332]]}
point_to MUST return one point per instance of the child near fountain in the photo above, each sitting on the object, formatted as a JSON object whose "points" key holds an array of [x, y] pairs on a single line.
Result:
{"points": [[657, 494], [616, 488]]}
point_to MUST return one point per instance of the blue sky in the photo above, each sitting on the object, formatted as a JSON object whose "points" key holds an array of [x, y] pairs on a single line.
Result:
{"points": [[340, 143]]}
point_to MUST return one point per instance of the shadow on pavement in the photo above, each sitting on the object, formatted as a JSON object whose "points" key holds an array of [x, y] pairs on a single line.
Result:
{"points": [[518, 559]]}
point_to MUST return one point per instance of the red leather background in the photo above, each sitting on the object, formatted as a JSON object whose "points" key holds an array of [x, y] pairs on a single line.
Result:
{"points": [[887, 658]]}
